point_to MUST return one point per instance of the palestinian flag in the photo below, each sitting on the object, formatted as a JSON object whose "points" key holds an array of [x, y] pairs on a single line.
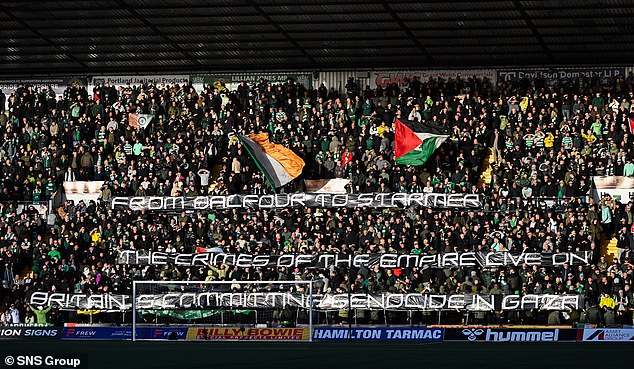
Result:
{"points": [[416, 142], [279, 164]]}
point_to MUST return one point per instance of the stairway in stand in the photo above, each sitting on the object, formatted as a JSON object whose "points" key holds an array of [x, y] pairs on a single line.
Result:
{"points": [[609, 249], [485, 176]]}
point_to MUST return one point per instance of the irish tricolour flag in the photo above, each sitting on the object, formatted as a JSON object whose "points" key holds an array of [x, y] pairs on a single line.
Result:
{"points": [[416, 142], [279, 164]]}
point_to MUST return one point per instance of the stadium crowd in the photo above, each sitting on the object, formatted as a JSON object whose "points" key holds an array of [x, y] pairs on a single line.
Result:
{"points": [[547, 143]]}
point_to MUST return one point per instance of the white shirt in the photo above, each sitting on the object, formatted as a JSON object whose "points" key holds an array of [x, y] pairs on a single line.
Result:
{"points": [[204, 177], [15, 316]]}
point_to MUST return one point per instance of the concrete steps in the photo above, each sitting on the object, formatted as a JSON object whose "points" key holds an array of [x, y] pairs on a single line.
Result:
{"points": [[485, 176], [610, 249]]}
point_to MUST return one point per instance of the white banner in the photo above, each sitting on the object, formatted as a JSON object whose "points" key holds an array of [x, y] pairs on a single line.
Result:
{"points": [[380, 301], [336, 185], [82, 190], [403, 78], [444, 260], [619, 187], [303, 200]]}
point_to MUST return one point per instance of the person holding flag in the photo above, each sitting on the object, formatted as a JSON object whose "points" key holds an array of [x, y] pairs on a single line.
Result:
{"points": [[279, 164], [140, 120], [416, 142]]}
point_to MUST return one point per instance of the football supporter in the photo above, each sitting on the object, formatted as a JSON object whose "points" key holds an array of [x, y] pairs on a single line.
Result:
{"points": [[547, 142]]}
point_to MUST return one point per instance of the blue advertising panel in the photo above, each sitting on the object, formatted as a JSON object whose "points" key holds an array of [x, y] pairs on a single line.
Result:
{"points": [[97, 333], [28, 332], [378, 334], [161, 333], [122, 333]]}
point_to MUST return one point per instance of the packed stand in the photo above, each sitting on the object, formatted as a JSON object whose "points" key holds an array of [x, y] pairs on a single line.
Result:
{"points": [[547, 143]]}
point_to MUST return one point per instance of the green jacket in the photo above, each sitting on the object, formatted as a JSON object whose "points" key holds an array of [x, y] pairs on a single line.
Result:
{"points": [[40, 314]]}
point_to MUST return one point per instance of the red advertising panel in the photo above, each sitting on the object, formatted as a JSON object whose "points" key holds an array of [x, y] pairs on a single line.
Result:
{"points": [[248, 334]]}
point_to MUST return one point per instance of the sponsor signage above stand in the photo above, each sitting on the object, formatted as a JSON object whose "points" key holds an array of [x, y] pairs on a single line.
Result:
{"points": [[404, 78], [510, 335], [378, 334], [58, 84], [553, 75], [232, 80], [157, 80], [299, 200]]}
